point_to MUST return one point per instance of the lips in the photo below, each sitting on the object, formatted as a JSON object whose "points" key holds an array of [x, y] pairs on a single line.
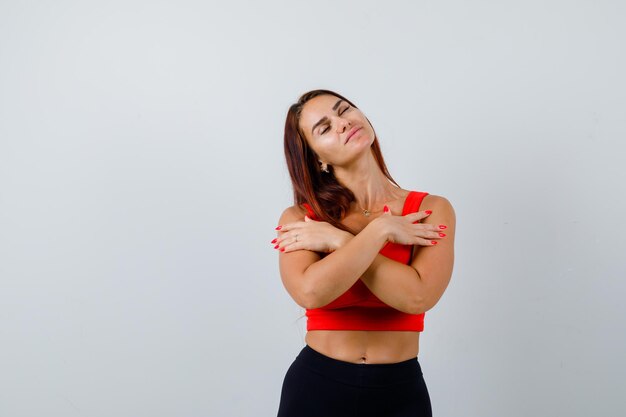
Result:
{"points": [[352, 132]]}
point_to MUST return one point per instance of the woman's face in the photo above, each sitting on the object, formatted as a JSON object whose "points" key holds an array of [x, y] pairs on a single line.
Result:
{"points": [[336, 131]]}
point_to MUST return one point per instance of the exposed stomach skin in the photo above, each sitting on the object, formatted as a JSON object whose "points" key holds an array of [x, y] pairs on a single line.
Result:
{"points": [[360, 346]]}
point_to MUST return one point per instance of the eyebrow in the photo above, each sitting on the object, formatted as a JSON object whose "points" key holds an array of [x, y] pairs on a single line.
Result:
{"points": [[324, 119]]}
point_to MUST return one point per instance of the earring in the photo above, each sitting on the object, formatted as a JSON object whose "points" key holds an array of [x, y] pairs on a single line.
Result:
{"points": [[325, 167]]}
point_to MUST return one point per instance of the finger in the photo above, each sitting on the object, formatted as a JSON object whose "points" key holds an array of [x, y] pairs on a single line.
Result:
{"points": [[428, 230], [282, 240], [290, 226], [429, 227], [431, 235], [418, 215], [281, 245], [287, 238], [291, 247], [284, 227], [434, 235], [277, 242], [307, 219], [425, 242]]}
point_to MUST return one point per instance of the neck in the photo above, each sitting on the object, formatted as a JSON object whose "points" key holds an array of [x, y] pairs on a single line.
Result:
{"points": [[371, 188]]}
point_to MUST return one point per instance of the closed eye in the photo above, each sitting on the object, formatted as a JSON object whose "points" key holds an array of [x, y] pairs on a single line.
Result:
{"points": [[342, 111]]}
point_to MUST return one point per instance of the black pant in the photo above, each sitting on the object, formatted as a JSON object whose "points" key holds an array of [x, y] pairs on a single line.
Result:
{"points": [[319, 386]]}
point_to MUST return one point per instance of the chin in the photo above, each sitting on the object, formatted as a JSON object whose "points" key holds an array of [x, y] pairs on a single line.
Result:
{"points": [[363, 147]]}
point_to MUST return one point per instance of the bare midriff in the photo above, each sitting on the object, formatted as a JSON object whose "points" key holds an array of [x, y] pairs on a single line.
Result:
{"points": [[359, 346]]}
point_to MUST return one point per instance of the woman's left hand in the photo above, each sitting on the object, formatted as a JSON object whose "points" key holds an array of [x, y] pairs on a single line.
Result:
{"points": [[311, 235]]}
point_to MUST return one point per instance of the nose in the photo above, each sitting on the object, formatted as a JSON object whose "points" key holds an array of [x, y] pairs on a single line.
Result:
{"points": [[342, 124]]}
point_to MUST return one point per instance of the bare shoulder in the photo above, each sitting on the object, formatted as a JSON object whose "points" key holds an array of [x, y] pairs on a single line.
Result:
{"points": [[436, 202], [292, 214], [442, 209]]}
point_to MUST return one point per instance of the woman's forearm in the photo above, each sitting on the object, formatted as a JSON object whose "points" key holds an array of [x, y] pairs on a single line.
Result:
{"points": [[330, 277], [396, 284]]}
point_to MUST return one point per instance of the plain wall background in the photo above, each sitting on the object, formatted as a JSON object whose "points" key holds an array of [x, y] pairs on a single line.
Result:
{"points": [[142, 175]]}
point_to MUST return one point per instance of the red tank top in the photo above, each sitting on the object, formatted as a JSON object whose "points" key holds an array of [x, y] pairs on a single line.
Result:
{"points": [[358, 308]]}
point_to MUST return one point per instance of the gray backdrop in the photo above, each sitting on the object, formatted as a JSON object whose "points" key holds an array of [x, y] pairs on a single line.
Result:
{"points": [[142, 174]]}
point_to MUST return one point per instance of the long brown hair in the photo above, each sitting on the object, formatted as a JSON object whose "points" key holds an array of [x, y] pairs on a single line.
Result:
{"points": [[329, 199]]}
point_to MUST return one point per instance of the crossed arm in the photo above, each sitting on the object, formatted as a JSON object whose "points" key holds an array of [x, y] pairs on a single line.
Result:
{"points": [[314, 281]]}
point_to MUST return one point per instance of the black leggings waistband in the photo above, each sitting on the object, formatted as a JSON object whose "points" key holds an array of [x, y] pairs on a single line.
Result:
{"points": [[360, 374], [316, 385]]}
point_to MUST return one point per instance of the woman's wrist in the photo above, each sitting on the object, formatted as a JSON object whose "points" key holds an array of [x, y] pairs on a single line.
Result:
{"points": [[376, 227], [344, 238], [380, 228]]}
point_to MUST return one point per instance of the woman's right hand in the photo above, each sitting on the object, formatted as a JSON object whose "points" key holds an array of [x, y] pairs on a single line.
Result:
{"points": [[313, 235], [405, 231]]}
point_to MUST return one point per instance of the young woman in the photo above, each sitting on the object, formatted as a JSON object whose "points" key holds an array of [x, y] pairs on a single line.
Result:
{"points": [[365, 258]]}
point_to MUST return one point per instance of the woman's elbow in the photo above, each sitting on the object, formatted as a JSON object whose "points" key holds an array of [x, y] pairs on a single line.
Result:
{"points": [[303, 298], [301, 290], [307, 302], [416, 306], [426, 304], [308, 298]]}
